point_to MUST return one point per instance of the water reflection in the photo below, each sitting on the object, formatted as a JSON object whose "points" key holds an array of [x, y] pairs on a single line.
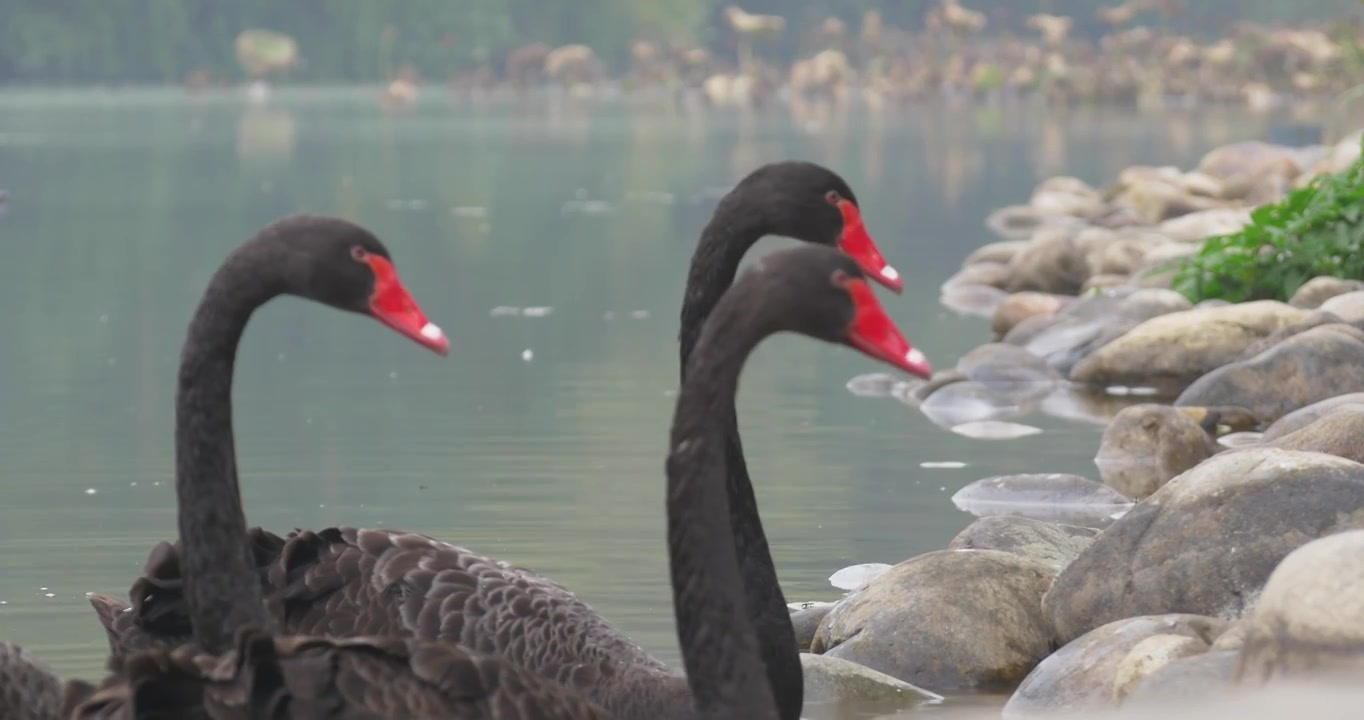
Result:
{"points": [[121, 208]]}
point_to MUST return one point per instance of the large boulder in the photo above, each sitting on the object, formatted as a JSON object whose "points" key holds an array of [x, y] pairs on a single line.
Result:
{"points": [[833, 682], [1051, 263], [1310, 618], [1148, 444], [1180, 347], [1206, 542], [1314, 365], [1053, 543], [1085, 675], [948, 620], [1304, 416], [1314, 292]]}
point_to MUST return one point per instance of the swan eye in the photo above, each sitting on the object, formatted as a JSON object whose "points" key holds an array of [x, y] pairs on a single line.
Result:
{"points": [[359, 253], [832, 197], [840, 279]]}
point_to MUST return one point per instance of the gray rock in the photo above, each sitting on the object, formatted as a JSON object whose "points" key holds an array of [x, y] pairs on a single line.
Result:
{"points": [[995, 252], [1339, 433], [985, 273], [972, 300], [1318, 290], [1234, 637], [1184, 680], [1316, 318], [1042, 496], [830, 681], [1051, 263], [949, 620], [1052, 543], [1146, 445], [1314, 365], [1310, 618], [1349, 306], [1094, 321], [964, 402], [1081, 675], [1150, 655], [1020, 306], [1007, 368], [1304, 416], [806, 621], [1207, 541], [1179, 347]]}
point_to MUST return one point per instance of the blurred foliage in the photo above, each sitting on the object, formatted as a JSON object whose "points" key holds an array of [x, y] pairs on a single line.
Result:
{"points": [[1315, 230], [361, 40]]}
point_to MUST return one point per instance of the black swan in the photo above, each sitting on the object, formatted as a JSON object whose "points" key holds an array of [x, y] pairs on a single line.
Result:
{"points": [[347, 581], [813, 291]]}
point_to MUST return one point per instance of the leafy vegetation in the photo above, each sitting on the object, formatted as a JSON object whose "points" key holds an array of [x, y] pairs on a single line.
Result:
{"points": [[1315, 230]]}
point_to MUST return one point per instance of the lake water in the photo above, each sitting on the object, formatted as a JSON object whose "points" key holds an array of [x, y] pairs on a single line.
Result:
{"points": [[540, 439]]}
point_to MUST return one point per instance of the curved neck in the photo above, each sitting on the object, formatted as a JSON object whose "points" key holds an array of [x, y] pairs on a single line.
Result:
{"points": [[220, 582], [724, 242], [727, 237], [719, 642]]}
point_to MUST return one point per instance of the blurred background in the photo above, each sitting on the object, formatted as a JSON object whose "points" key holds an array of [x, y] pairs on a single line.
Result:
{"points": [[541, 172]]}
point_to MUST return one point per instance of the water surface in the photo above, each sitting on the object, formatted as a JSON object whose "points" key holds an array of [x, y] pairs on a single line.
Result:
{"points": [[540, 439]]}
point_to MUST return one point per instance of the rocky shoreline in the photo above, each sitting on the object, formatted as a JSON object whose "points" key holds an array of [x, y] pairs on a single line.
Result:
{"points": [[1222, 553]]}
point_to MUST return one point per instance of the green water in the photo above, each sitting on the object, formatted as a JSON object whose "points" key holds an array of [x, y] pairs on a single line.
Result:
{"points": [[123, 204]]}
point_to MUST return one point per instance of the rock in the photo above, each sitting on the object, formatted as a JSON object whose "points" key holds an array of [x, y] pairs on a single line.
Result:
{"points": [[1304, 416], [1179, 347], [1316, 318], [963, 402], [992, 274], [1349, 307], [995, 252], [1190, 678], [1310, 618], [873, 385], [1049, 542], [1198, 226], [1103, 282], [1081, 675], [1233, 637], [1146, 445], [829, 680], [1244, 158], [1007, 368], [1150, 655], [1096, 320], [1207, 540], [1314, 292], [855, 576], [1042, 496], [1222, 418], [1051, 263], [976, 613], [1121, 256], [807, 620], [1022, 305], [972, 300], [940, 380], [1338, 433], [1157, 270], [1065, 196], [995, 430], [1021, 222], [1314, 365]]}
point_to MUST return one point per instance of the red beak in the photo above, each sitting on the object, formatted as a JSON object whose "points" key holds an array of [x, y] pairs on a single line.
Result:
{"points": [[393, 306], [857, 243], [875, 334]]}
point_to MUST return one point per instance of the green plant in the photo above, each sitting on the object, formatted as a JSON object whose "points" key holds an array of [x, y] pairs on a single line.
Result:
{"points": [[1315, 230]]}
